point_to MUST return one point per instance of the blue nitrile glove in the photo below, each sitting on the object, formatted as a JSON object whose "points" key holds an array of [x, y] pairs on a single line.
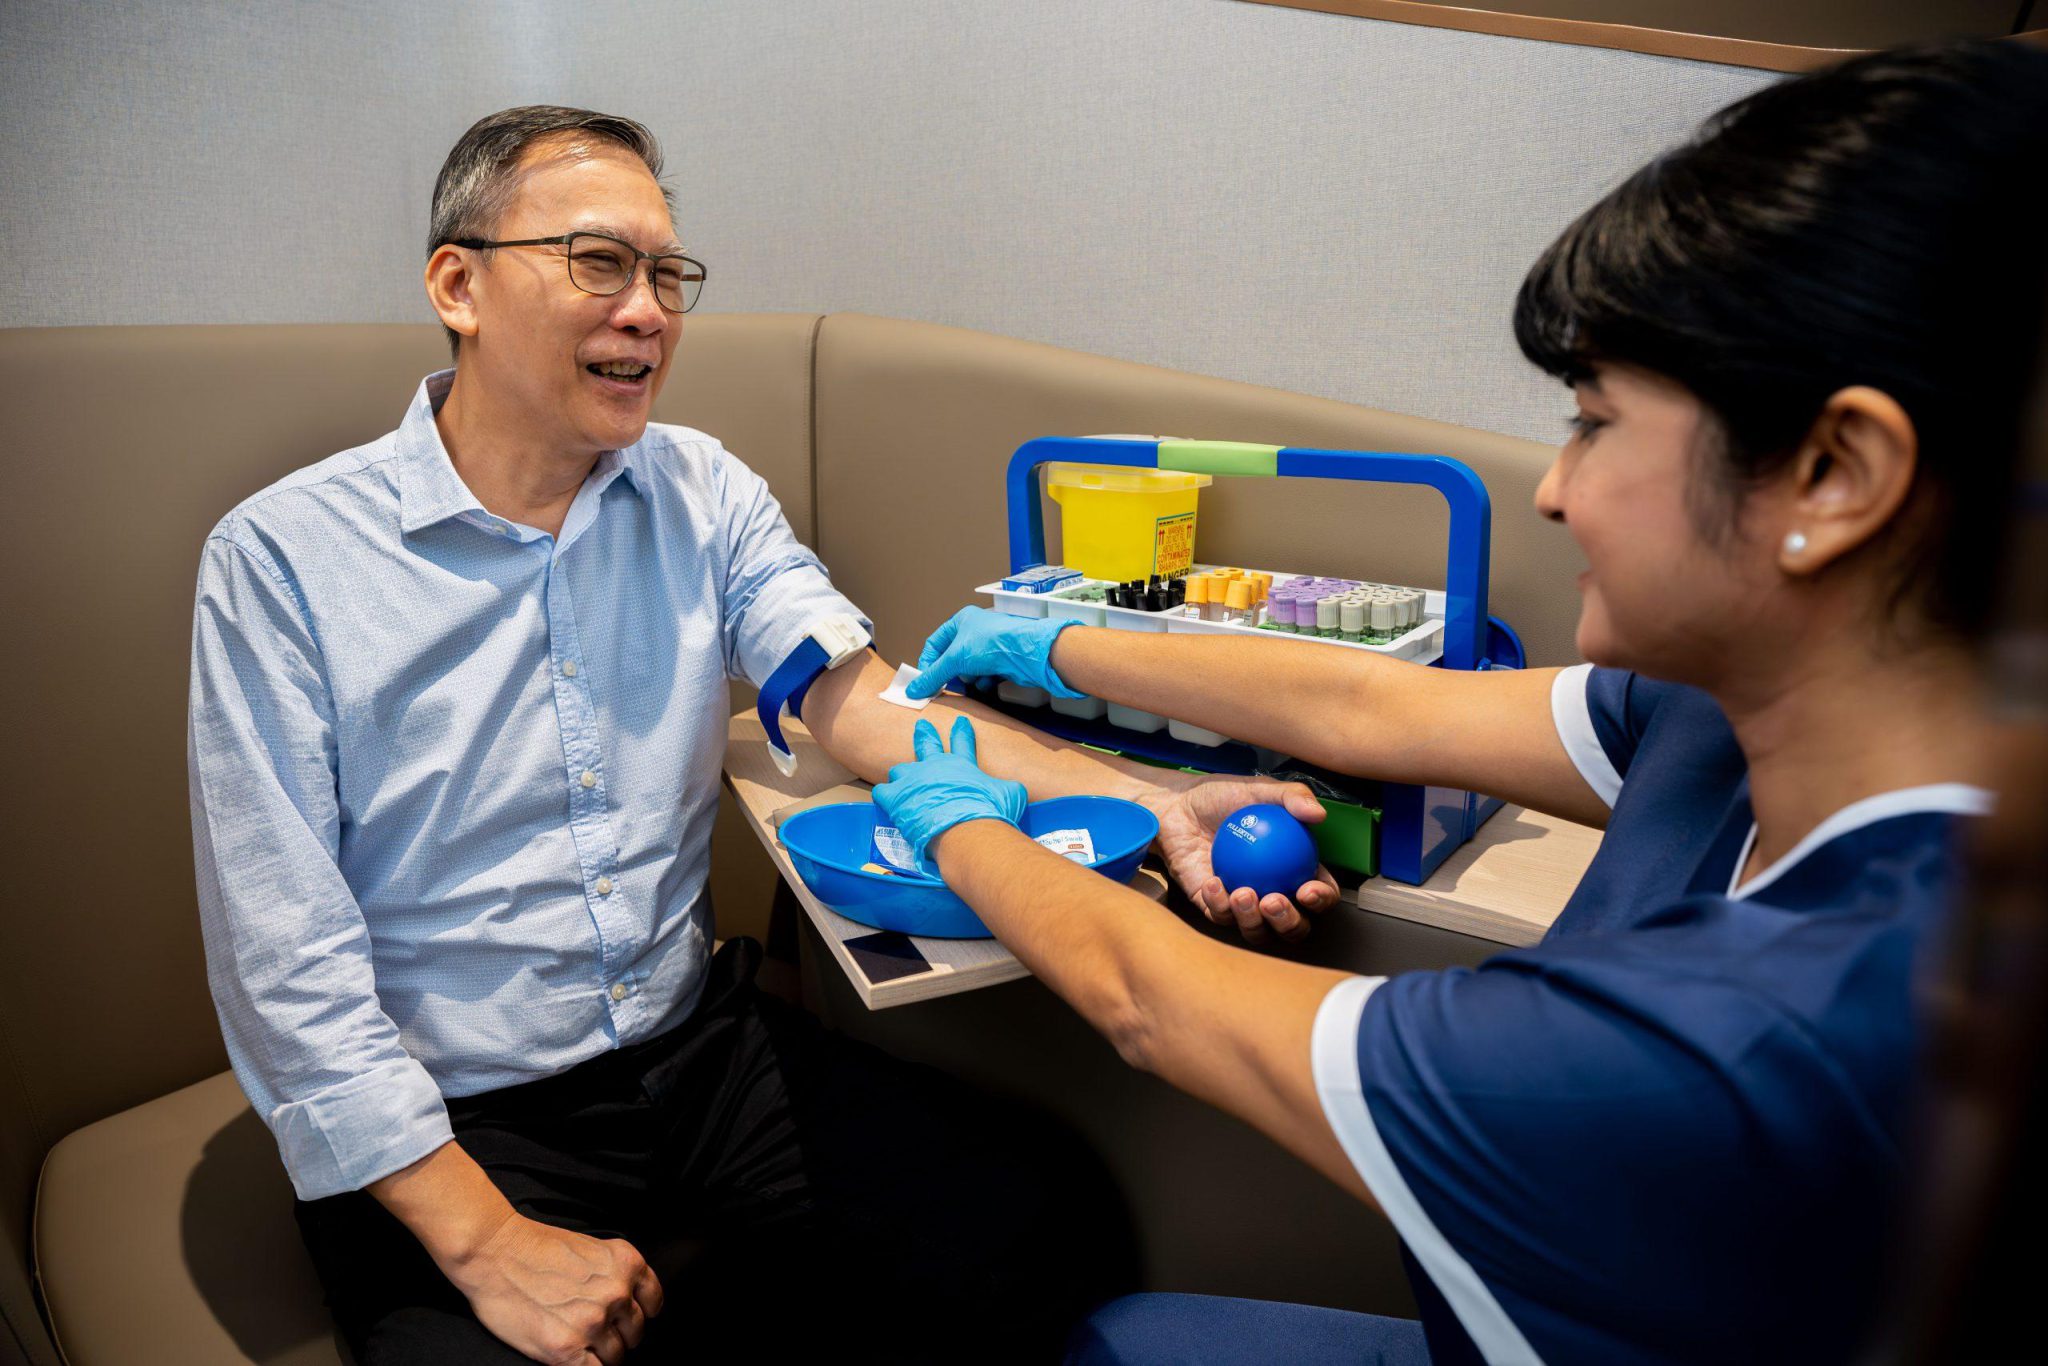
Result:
{"points": [[978, 643], [926, 798]]}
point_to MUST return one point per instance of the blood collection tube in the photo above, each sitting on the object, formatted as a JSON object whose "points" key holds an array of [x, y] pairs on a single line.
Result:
{"points": [[1237, 603], [1350, 618]]}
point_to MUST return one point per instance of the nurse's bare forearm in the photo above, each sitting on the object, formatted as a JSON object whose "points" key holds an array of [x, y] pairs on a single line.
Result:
{"points": [[1227, 1026], [1348, 710], [848, 717]]}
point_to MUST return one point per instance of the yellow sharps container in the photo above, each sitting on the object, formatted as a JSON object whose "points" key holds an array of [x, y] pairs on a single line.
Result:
{"points": [[1123, 524]]}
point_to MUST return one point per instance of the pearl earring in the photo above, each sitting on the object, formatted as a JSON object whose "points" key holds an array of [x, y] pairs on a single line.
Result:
{"points": [[1795, 541]]}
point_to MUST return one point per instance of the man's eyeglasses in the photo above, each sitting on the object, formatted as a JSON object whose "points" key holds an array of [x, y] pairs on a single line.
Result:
{"points": [[604, 265]]}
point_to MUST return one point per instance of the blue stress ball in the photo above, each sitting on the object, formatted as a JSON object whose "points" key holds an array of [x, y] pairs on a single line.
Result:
{"points": [[1265, 849]]}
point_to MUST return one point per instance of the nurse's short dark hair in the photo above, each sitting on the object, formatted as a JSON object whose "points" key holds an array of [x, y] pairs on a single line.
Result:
{"points": [[479, 177], [1875, 223]]}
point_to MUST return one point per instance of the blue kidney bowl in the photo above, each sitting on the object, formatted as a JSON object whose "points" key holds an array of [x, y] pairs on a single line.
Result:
{"points": [[828, 845]]}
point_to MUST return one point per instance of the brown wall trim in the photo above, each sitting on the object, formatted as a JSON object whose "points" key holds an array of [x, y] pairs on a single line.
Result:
{"points": [[1698, 47]]}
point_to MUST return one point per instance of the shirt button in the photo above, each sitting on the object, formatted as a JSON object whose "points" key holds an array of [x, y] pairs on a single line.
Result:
{"points": [[569, 669], [618, 991], [588, 779], [604, 886]]}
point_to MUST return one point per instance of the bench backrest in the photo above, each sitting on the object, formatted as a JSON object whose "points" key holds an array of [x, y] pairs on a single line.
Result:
{"points": [[885, 442]]}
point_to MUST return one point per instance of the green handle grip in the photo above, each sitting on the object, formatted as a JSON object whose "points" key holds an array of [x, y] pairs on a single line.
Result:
{"points": [[1220, 457]]}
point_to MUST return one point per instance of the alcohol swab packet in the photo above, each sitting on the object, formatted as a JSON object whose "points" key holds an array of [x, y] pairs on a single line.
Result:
{"points": [[1077, 845], [892, 851], [906, 674]]}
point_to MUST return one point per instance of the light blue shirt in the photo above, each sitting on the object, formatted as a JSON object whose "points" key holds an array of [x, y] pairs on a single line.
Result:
{"points": [[453, 778]]}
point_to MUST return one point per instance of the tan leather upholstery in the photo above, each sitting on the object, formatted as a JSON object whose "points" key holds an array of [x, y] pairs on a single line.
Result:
{"points": [[916, 424], [124, 446], [163, 1235]]}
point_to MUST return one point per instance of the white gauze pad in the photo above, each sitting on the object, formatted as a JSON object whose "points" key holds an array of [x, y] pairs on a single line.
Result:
{"points": [[906, 674]]}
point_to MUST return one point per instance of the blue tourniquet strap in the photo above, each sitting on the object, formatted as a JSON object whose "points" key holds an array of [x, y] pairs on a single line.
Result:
{"points": [[834, 640], [786, 688]]}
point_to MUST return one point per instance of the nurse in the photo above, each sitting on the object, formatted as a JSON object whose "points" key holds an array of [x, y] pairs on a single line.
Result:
{"points": [[1799, 346]]}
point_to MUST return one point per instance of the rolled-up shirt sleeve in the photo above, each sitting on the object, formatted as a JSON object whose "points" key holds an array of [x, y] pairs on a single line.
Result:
{"points": [[776, 590], [288, 954]]}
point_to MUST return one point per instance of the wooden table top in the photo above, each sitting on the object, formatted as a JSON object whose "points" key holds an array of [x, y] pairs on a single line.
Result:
{"points": [[1506, 885]]}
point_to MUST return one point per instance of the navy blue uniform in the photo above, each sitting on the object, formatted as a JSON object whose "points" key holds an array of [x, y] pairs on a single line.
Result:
{"points": [[1668, 1132]]}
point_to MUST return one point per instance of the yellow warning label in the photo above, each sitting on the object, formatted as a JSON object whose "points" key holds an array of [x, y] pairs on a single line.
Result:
{"points": [[1173, 545]]}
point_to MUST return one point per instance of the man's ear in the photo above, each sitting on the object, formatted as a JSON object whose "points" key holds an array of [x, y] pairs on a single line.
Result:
{"points": [[1849, 480], [451, 278]]}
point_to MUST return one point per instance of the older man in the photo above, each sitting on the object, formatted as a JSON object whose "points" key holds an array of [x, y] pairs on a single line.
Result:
{"points": [[458, 707]]}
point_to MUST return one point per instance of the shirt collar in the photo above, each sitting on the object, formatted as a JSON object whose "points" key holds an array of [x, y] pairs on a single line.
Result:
{"points": [[429, 489]]}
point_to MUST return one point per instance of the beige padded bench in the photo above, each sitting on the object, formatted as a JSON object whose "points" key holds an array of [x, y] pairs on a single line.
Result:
{"points": [[136, 1187]]}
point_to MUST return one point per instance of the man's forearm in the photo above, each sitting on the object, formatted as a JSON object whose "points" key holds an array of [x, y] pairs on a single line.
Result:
{"points": [[845, 713], [449, 1202]]}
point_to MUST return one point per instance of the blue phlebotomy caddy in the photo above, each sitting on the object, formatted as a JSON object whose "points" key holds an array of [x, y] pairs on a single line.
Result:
{"points": [[1419, 827]]}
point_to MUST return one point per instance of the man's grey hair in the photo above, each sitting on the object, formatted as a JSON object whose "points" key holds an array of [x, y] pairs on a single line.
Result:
{"points": [[479, 177]]}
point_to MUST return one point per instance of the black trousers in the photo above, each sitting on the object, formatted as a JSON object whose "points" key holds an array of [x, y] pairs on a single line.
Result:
{"points": [[797, 1193]]}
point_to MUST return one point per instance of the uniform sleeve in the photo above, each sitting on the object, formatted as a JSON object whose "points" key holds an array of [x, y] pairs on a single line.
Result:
{"points": [[1531, 1140], [288, 955], [775, 588], [1601, 715]]}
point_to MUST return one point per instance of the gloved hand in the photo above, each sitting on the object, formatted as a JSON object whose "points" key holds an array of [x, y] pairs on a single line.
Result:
{"points": [[938, 791], [978, 643]]}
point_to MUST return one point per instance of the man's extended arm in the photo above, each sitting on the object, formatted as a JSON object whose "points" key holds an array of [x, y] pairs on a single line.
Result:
{"points": [[845, 712], [847, 715], [776, 590]]}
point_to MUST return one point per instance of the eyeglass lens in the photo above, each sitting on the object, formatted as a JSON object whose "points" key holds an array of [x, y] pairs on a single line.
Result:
{"points": [[599, 265]]}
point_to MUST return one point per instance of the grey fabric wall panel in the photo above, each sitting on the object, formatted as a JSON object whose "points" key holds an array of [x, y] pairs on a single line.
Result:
{"points": [[1331, 205]]}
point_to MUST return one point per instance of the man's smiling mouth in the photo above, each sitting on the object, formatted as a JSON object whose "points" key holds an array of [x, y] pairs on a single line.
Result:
{"points": [[628, 370]]}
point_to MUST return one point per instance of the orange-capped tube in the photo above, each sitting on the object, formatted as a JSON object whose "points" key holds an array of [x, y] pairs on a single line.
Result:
{"points": [[1237, 604]]}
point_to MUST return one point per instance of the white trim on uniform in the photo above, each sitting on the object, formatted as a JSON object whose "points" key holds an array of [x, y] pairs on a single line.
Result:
{"points": [[1956, 799], [1574, 718], [1333, 1050]]}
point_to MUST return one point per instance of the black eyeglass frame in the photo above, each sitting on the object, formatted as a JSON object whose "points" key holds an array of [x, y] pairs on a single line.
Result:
{"points": [[567, 239]]}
